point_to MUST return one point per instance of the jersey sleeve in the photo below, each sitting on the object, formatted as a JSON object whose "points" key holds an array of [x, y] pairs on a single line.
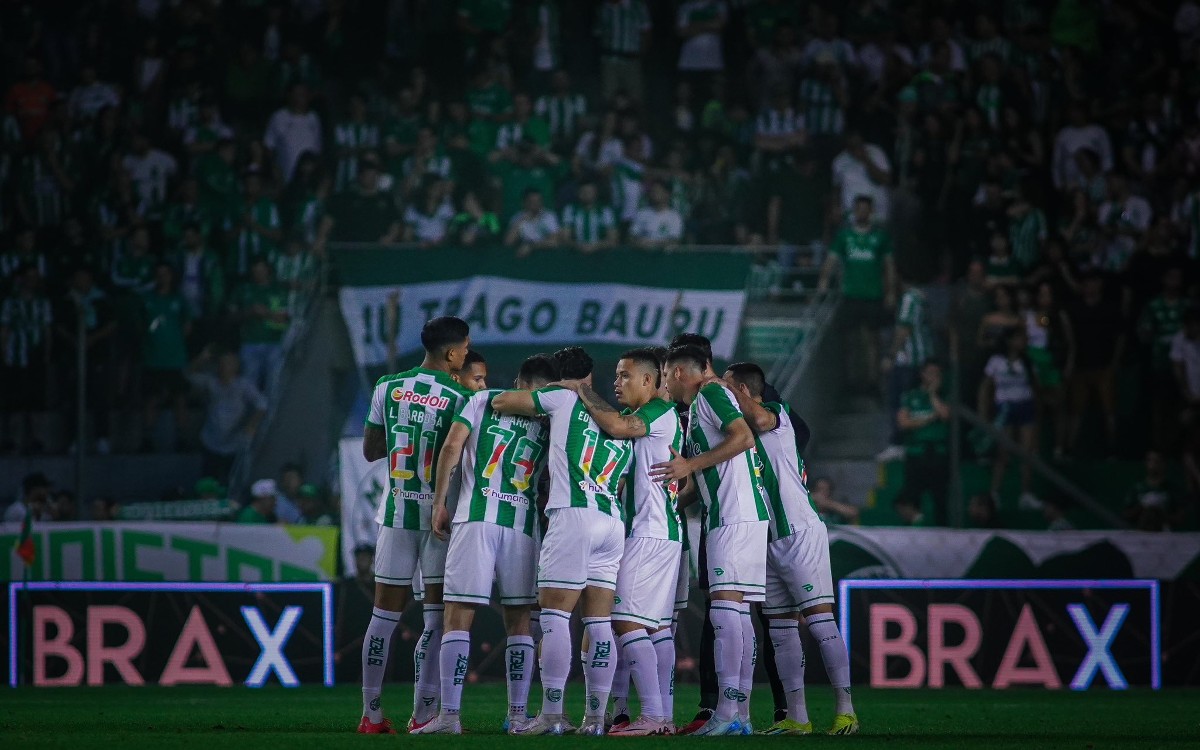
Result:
{"points": [[550, 399], [717, 399], [375, 415], [468, 413], [650, 414]]}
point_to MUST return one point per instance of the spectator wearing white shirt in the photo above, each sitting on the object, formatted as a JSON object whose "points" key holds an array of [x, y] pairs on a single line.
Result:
{"points": [[699, 24], [657, 224], [862, 169], [1078, 134], [91, 95], [427, 219], [1123, 219], [1185, 358], [533, 227], [292, 130], [150, 170], [828, 43]]}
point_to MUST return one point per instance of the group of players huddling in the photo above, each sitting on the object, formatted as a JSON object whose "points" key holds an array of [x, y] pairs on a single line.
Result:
{"points": [[464, 512]]}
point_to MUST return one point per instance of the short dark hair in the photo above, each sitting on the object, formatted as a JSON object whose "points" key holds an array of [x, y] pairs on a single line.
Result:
{"points": [[574, 362], [648, 358], [538, 370], [441, 333], [749, 375], [473, 358], [688, 354], [693, 339]]}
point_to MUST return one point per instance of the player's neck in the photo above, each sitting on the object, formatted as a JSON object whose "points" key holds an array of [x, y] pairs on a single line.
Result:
{"points": [[430, 364]]}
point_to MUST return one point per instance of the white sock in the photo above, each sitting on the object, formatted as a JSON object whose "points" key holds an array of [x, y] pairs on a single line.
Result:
{"points": [[664, 653], [789, 658], [426, 665], [376, 644], [556, 659], [620, 686], [601, 663], [638, 650], [749, 659], [520, 657], [455, 660], [727, 654], [837, 661]]}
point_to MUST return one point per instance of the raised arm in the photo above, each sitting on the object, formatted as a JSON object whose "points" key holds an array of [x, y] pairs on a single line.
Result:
{"points": [[626, 427], [515, 402], [448, 461]]}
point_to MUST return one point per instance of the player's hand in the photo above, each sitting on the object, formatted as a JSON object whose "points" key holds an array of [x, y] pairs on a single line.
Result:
{"points": [[441, 522], [675, 469]]}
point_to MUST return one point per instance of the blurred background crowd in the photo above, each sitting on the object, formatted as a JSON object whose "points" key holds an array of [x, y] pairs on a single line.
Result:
{"points": [[173, 171]]}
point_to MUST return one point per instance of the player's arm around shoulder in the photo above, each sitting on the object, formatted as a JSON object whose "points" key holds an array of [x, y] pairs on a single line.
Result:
{"points": [[620, 426], [761, 417], [521, 403]]}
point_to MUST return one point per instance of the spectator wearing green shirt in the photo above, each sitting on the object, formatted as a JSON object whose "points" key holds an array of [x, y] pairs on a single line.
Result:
{"points": [[524, 126], [924, 419], [261, 508], [1153, 502], [523, 168], [862, 254], [257, 229], [1161, 319], [261, 306], [218, 182], [167, 323]]}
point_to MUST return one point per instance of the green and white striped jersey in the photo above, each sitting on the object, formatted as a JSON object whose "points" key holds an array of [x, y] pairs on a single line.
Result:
{"points": [[651, 508], [415, 409], [783, 477], [586, 465], [913, 313], [501, 464], [588, 224], [732, 491]]}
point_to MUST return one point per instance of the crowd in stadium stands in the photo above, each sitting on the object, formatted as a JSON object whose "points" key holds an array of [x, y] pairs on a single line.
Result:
{"points": [[173, 173]]}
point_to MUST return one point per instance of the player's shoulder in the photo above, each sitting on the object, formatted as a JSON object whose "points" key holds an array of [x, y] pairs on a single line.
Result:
{"points": [[715, 391], [655, 409], [392, 377]]}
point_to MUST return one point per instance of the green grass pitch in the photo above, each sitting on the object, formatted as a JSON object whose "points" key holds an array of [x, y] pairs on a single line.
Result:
{"points": [[275, 717]]}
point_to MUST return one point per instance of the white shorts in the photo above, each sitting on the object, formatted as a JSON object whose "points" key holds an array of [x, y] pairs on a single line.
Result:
{"points": [[683, 580], [582, 547], [646, 582], [798, 573], [737, 559], [400, 554], [481, 553]]}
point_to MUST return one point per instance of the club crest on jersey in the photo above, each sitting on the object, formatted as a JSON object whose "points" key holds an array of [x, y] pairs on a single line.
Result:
{"points": [[401, 395]]}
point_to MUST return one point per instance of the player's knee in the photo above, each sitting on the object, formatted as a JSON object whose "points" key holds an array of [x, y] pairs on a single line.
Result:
{"points": [[817, 609], [624, 627]]}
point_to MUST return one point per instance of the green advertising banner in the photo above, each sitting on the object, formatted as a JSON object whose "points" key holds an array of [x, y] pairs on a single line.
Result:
{"points": [[620, 297], [879, 552], [191, 552]]}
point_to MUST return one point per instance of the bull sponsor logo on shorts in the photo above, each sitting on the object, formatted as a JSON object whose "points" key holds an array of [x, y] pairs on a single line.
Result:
{"points": [[808, 587], [719, 571], [403, 395]]}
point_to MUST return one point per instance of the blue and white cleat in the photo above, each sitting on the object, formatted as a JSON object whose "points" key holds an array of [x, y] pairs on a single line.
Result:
{"points": [[542, 725], [715, 727], [747, 727]]}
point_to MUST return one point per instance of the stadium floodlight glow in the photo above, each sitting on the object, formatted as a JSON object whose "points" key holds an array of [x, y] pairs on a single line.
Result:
{"points": [[1098, 642], [271, 658], [277, 637]]}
